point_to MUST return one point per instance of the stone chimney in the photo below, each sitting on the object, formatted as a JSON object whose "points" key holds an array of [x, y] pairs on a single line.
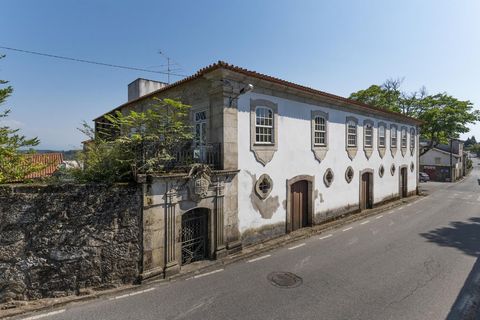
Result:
{"points": [[141, 87]]}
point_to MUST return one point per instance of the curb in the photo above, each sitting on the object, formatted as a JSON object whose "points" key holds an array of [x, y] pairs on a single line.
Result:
{"points": [[247, 252]]}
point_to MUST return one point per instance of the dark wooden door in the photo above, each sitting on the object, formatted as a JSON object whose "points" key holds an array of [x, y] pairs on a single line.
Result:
{"points": [[299, 204], [403, 182], [366, 191]]}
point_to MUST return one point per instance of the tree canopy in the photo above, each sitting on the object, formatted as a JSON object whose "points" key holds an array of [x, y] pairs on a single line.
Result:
{"points": [[14, 165], [444, 116]]}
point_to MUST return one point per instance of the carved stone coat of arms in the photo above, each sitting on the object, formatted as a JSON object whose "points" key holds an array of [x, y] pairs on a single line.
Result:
{"points": [[199, 181]]}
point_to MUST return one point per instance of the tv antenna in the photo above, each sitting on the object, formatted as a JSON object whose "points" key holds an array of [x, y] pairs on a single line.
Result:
{"points": [[169, 65]]}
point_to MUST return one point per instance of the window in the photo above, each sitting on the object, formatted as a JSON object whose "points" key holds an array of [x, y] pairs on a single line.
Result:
{"points": [[438, 160], [412, 139], [264, 125], [349, 173], [412, 167], [263, 186], [381, 171], [393, 137], [328, 177], [392, 169], [381, 136], [404, 137], [351, 133], [368, 135], [201, 127], [320, 131]]}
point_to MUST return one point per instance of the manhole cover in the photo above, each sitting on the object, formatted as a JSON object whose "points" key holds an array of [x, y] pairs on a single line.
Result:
{"points": [[284, 279]]}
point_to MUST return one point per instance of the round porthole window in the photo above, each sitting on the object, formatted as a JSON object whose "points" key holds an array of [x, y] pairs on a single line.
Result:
{"points": [[328, 177], [381, 171], [412, 167], [349, 173], [263, 186], [392, 169]]}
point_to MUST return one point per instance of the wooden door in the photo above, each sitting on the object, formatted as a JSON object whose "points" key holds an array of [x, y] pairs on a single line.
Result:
{"points": [[299, 204], [366, 191], [403, 182]]}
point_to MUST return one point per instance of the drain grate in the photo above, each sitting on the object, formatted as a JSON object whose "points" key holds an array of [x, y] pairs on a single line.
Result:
{"points": [[284, 279]]}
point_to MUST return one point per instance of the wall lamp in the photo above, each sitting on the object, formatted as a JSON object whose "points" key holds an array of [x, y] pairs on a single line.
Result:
{"points": [[247, 88]]}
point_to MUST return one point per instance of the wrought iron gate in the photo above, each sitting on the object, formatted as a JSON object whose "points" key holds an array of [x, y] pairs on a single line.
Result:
{"points": [[194, 235]]}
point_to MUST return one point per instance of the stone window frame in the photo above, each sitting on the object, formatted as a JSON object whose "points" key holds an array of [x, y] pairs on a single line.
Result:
{"points": [[347, 178], [393, 146], [393, 169], [368, 149], [263, 151], [262, 195], [402, 147], [381, 171], [325, 179], [351, 150], [413, 135], [381, 150], [319, 150]]}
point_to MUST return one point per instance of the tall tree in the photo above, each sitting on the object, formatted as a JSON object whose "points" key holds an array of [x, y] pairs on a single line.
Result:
{"points": [[14, 165], [444, 116]]}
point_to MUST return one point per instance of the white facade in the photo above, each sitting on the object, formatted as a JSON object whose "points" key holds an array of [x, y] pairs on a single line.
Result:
{"points": [[294, 157]]}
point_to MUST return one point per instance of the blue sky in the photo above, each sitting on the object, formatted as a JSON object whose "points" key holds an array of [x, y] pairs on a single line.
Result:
{"points": [[334, 46]]}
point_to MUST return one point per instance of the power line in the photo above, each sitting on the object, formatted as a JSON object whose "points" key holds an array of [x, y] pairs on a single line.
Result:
{"points": [[91, 62]]}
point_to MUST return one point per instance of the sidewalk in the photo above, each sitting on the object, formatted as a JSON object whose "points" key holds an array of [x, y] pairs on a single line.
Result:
{"points": [[22, 307]]}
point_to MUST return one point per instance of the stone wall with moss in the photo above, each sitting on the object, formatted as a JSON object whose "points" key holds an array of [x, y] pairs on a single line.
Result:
{"points": [[57, 240]]}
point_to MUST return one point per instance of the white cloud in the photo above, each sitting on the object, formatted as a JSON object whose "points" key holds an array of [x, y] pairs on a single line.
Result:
{"points": [[14, 124]]}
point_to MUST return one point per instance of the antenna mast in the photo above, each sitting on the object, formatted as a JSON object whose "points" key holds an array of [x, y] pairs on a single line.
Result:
{"points": [[169, 64]]}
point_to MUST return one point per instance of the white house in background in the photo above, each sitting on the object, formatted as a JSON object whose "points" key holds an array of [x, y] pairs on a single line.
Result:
{"points": [[445, 162], [280, 157]]}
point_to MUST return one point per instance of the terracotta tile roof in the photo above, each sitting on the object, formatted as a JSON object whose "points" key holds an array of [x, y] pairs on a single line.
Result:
{"points": [[261, 76], [51, 160]]}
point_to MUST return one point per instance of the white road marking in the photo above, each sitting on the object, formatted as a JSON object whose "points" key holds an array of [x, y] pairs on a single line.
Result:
{"points": [[132, 294], [346, 229], [297, 246], [378, 217], [409, 205], [400, 208], [45, 315], [207, 274], [390, 212], [478, 199], [325, 237], [365, 222], [259, 258]]}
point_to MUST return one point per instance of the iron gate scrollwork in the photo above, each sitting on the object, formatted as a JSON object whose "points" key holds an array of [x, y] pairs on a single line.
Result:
{"points": [[194, 235]]}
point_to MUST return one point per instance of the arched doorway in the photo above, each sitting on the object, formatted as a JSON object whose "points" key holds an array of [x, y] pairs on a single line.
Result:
{"points": [[194, 235], [366, 189], [299, 202], [403, 182]]}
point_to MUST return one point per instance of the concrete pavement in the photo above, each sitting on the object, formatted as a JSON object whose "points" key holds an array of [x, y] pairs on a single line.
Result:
{"points": [[418, 261]]}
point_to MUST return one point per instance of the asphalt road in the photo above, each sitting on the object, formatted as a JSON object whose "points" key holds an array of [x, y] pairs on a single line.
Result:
{"points": [[416, 262]]}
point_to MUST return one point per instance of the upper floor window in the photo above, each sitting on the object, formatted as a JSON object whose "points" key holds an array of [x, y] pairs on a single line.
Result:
{"points": [[368, 135], [404, 137], [393, 137], [264, 125], [201, 127], [320, 131], [351, 133], [412, 138], [381, 136]]}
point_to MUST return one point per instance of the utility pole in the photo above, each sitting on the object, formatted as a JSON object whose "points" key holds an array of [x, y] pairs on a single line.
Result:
{"points": [[451, 159]]}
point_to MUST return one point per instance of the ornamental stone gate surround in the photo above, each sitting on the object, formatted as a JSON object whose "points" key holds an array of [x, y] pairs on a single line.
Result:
{"points": [[167, 198]]}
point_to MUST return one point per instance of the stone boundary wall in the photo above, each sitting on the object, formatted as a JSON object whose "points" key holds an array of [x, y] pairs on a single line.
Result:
{"points": [[57, 240]]}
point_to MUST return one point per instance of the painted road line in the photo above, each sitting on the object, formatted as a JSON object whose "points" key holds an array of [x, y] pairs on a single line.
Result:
{"points": [[478, 199], [390, 212], [378, 217], [207, 274], [325, 237], [297, 246], [259, 258], [365, 222], [346, 229], [400, 208], [409, 205], [132, 294], [45, 315]]}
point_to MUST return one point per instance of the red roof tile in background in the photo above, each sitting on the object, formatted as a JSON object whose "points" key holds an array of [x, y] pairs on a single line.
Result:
{"points": [[51, 160]]}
